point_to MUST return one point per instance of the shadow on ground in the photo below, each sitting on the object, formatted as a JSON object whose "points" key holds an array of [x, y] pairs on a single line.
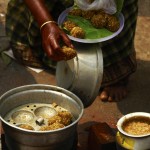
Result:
{"points": [[138, 100], [139, 91], [13, 75]]}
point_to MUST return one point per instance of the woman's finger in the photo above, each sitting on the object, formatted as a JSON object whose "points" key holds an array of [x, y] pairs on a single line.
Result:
{"points": [[66, 40]]}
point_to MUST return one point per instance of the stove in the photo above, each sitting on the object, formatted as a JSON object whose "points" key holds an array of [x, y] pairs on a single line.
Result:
{"points": [[3, 144]]}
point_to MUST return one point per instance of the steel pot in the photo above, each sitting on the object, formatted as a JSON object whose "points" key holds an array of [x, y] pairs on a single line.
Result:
{"points": [[19, 139], [83, 74], [129, 141]]}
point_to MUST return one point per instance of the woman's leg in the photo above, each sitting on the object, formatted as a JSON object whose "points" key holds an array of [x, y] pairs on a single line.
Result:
{"points": [[119, 57], [115, 92]]}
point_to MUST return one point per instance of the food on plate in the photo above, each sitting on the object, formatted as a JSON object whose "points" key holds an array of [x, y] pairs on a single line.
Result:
{"points": [[81, 23], [75, 12], [88, 14], [69, 25], [103, 20], [73, 29], [99, 21], [112, 23], [100, 11], [77, 32]]}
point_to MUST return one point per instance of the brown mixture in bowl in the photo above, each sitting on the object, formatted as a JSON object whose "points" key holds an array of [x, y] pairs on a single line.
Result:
{"points": [[137, 125]]}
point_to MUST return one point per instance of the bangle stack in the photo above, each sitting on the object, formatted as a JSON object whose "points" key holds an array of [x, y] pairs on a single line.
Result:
{"points": [[50, 21]]}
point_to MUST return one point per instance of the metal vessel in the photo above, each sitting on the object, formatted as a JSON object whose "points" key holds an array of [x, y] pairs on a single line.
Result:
{"points": [[130, 141], [20, 139], [83, 74]]}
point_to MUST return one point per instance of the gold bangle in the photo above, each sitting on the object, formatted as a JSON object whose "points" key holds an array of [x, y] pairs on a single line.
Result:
{"points": [[51, 21]]}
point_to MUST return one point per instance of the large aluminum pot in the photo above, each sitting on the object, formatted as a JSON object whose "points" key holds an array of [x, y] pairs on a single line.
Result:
{"points": [[60, 139], [83, 74]]}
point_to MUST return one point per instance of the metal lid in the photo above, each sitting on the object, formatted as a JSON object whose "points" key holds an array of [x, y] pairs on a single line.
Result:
{"points": [[83, 74]]}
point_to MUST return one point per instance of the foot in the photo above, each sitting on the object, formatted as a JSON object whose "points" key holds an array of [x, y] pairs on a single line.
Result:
{"points": [[114, 92]]}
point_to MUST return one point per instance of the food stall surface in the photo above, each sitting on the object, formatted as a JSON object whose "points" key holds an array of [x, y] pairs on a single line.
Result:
{"points": [[13, 75]]}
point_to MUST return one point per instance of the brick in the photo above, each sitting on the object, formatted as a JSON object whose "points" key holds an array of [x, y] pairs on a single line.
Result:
{"points": [[101, 137]]}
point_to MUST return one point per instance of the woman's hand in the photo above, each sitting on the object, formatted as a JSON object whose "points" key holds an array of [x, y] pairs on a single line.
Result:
{"points": [[52, 36]]}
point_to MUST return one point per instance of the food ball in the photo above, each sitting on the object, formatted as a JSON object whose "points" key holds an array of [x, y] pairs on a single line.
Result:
{"points": [[113, 23], [69, 25], [26, 126], [75, 12], [88, 14], [66, 117], [98, 21], [67, 52], [100, 11], [63, 117], [53, 126], [54, 119], [77, 32]]}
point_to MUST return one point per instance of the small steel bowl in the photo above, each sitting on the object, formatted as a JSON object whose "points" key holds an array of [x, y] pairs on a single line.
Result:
{"points": [[130, 141]]}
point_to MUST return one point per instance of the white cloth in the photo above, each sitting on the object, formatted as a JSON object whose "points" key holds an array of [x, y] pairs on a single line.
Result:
{"points": [[109, 6]]}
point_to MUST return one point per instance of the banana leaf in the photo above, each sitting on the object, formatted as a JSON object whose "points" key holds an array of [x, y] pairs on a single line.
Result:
{"points": [[90, 31]]}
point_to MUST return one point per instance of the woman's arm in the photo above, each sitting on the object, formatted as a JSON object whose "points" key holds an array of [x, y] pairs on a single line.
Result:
{"points": [[39, 11], [50, 32]]}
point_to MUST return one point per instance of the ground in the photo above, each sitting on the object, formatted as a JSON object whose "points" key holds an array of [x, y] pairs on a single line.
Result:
{"points": [[13, 75]]}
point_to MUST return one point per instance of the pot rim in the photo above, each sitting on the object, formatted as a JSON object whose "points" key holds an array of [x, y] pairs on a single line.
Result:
{"points": [[130, 115], [42, 85]]}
